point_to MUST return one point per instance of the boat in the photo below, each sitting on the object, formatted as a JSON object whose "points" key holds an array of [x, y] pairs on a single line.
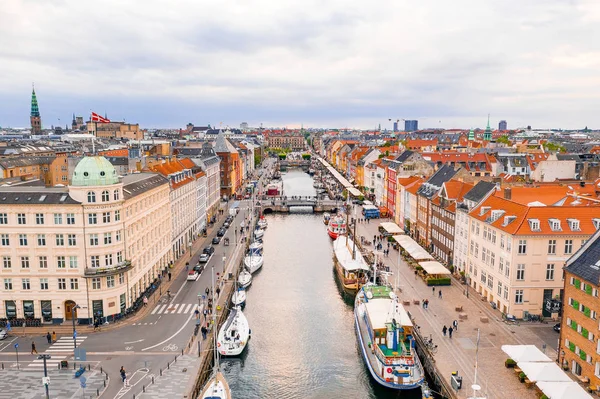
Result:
{"points": [[217, 386], [253, 262], [262, 223], [256, 246], [258, 233], [318, 185], [326, 217], [239, 297], [384, 333], [337, 226], [234, 334], [350, 266], [311, 171], [245, 279], [273, 190]]}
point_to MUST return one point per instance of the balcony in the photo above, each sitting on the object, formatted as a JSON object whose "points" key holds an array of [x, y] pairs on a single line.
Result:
{"points": [[108, 271]]}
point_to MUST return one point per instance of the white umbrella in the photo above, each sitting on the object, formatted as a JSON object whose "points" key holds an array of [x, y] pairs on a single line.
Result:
{"points": [[542, 371], [525, 353], [563, 390]]}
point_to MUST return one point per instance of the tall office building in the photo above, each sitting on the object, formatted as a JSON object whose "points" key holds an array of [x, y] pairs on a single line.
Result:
{"points": [[502, 125], [411, 125], [395, 126]]}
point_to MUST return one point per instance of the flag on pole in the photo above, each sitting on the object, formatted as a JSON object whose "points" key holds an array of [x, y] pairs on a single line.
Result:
{"points": [[98, 118]]}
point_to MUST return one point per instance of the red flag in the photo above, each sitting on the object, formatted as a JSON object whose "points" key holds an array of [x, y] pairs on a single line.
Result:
{"points": [[98, 118]]}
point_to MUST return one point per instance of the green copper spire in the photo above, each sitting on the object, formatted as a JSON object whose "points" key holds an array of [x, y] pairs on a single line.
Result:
{"points": [[487, 135], [35, 111], [471, 135]]}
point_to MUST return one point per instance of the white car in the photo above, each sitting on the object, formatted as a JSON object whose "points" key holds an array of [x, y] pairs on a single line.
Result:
{"points": [[3, 334], [193, 275]]}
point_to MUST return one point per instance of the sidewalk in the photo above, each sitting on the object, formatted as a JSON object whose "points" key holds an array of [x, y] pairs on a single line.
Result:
{"points": [[458, 353]]}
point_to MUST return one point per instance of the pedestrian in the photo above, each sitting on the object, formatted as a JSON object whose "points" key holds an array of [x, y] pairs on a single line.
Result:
{"points": [[444, 330], [187, 267], [197, 313], [423, 304], [33, 350], [169, 276], [53, 336], [416, 273], [204, 331], [205, 313], [426, 303], [440, 294], [455, 325], [207, 291], [49, 338], [218, 291], [145, 300], [450, 332], [123, 376], [433, 289]]}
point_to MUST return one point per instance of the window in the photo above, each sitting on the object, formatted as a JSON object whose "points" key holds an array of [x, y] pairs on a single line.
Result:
{"points": [[522, 247], [490, 281], [116, 195], [96, 285], [499, 288], [501, 241], [476, 250], [574, 224], [110, 282], [121, 278], [3, 218], [118, 235], [60, 240], [21, 219], [92, 219], [493, 235], [95, 260], [24, 262], [39, 218], [483, 276], [60, 262], [508, 244], [554, 224], [70, 218], [8, 284], [492, 259], [26, 284], [6, 262], [501, 265], [568, 247], [105, 196], [43, 284], [107, 238], [23, 240], [58, 218], [93, 239], [520, 271], [108, 259], [105, 217], [550, 271], [534, 224], [41, 240], [43, 262], [74, 284], [72, 240], [551, 247], [91, 196], [62, 283], [73, 262], [519, 296], [5, 240], [119, 256], [117, 215]]}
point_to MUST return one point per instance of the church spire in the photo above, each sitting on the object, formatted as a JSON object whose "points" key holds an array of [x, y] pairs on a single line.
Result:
{"points": [[35, 111], [34, 116], [487, 135], [471, 135]]}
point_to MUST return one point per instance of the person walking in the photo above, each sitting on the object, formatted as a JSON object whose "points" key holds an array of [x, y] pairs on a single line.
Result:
{"points": [[450, 332], [204, 331], [123, 376], [49, 338], [433, 290], [440, 294], [33, 350], [455, 325], [145, 300], [426, 303], [187, 267], [444, 330], [218, 291], [53, 336], [197, 313], [169, 276]]}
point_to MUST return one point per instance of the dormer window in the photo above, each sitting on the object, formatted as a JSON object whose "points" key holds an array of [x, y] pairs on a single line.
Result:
{"points": [[534, 224], [574, 224], [554, 224], [496, 214], [508, 220], [596, 222], [484, 210]]}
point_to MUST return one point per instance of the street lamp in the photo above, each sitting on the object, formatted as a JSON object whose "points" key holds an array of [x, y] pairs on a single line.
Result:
{"points": [[45, 380], [73, 311]]}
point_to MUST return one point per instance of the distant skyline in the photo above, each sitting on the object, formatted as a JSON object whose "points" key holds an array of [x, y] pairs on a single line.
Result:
{"points": [[332, 64]]}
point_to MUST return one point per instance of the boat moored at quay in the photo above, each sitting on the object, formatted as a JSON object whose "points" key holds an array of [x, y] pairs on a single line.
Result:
{"points": [[350, 266], [336, 226]]}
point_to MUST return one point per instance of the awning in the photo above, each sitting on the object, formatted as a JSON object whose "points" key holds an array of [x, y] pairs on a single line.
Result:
{"points": [[354, 192], [525, 353], [414, 250], [391, 228], [433, 267], [563, 390], [543, 371]]}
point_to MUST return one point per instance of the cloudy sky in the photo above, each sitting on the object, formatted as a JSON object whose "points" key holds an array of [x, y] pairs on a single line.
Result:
{"points": [[335, 63]]}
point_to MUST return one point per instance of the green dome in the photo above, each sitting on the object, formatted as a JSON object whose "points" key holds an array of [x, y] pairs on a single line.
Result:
{"points": [[94, 171]]}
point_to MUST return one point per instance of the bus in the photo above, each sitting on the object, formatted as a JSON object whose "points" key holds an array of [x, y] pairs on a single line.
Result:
{"points": [[370, 212]]}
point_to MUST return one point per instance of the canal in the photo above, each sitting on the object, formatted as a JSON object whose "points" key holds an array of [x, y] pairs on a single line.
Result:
{"points": [[303, 342]]}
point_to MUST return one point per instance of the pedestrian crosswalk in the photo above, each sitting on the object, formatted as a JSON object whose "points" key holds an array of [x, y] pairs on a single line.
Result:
{"points": [[175, 308], [60, 350]]}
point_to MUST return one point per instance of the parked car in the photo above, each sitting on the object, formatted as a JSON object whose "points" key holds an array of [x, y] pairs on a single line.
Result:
{"points": [[199, 268], [221, 232], [3, 334], [556, 327], [193, 275], [226, 224], [216, 240], [208, 250], [204, 257]]}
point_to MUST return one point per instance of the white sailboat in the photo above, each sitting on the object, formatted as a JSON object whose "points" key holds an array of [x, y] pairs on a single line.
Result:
{"points": [[262, 223], [245, 279], [217, 386], [256, 246], [259, 233], [253, 262], [239, 297], [234, 334]]}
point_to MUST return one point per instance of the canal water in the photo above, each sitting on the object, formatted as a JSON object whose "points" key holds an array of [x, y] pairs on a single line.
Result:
{"points": [[303, 342]]}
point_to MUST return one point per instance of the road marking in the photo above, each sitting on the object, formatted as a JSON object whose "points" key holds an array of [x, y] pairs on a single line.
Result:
{"points": [[187, 309], [172, 336], [178, 291], [8, 343], [161, 307], [133, 342], [137, 376], [174, 308]]}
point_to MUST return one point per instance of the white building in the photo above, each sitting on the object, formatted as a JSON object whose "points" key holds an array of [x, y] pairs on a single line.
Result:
{"points": [[210, 164]]}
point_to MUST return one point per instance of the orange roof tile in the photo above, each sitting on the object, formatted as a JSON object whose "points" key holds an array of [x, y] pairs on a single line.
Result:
{"points": [[414, 188], [547, 194], [455, 189], [407, 181]]}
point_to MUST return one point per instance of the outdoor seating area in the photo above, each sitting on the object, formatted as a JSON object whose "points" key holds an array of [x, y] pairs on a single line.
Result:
{"points": [[390, 229], [430, 270], [434, 273], [535, 369]]}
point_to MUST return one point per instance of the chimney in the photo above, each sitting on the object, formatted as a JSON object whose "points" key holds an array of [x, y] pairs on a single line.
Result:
{"points": [[507, 193]]}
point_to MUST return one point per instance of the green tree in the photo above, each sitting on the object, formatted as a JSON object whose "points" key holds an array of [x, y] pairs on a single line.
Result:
{"points": [[503, 140]]}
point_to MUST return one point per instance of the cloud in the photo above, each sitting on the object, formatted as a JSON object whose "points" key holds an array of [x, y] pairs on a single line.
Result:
{"points": [[334, 63]]}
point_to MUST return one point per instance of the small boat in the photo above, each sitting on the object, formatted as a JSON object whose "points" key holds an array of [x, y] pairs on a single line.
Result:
{"points": [[256, 245], [258, 233], [336, 226], [239, 297], [350, 266], [234, 334], [262, 223], [318, 185], [326, 217], [245, 279], [253, 262]]}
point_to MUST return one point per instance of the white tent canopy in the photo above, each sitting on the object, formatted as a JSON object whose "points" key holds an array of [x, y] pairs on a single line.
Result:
{"points": [[525, 353], [434, 267], [414, 250], [391, 228], [563, 390], [543, 371]]}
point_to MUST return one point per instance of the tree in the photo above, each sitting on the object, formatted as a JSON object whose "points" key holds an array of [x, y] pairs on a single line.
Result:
{"points": [[554, 147], [503, 140]]}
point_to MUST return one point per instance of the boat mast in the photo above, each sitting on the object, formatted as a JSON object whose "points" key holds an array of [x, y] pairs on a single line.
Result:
{"points": [[354, 237], [375, 267], [214, 317], [347, 215]]}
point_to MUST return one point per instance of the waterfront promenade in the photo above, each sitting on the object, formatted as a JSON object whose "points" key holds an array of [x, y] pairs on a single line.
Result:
{"points": [[458, 353]]}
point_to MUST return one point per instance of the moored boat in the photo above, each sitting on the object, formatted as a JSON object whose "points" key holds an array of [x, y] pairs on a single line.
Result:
{"points": [[350, 266], [326, 217], [256, 246], [384, 333], [262, 223], [258, 233], [234, 334], [336, 226], [253, 262], [245, 279], [216, 388], [239, 297]]}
